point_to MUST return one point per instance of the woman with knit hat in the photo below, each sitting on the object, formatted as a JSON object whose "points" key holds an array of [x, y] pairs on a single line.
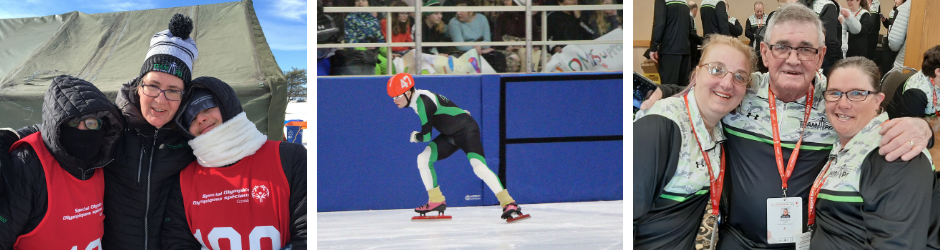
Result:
{"points": [[458, 131], [151, 150]]}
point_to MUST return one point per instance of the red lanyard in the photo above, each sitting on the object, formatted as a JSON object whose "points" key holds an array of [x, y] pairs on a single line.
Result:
{"points": [[814, 193], [715, 183], [857, 12], [933, 88], [760, 22], [785, 175]]}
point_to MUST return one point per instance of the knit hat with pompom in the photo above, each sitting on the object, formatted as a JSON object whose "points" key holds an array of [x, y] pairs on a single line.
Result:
{"points": [[172, 51]]}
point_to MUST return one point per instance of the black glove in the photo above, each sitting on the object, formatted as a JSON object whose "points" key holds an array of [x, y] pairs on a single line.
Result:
{"points": [[7, 138]]}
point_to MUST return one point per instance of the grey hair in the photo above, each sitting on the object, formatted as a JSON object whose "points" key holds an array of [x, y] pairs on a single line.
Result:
{"points": [[796, 13]]}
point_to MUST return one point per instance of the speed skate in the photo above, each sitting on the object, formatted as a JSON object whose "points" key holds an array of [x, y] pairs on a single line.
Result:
{"points": [[429, 207], [511, 209]]}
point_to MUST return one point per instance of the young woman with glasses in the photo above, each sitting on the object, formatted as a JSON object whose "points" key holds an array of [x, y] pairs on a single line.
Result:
{"points": [[860, 200], [679, 157]]}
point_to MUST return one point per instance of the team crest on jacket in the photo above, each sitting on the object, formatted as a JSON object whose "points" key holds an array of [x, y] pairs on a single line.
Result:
{"points": [[260, 192]]}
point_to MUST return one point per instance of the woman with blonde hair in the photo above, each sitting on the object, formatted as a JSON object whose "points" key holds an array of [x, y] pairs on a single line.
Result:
{"points": [[680, 157]]}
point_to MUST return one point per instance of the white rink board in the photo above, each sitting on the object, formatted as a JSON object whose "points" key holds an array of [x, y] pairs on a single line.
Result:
{"points": [[577, 225]]}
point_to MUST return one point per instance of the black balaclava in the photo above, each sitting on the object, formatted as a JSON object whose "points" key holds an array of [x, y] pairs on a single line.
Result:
{"points": [[82, 144]]}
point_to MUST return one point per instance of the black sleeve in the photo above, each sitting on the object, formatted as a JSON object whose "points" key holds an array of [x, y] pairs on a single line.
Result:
{"points": [[656, 143], [830, 20], [910, 103], [426, 110], [23, 196], [294, 162], [865, 21], [669, 89], [722, 12], [659, 25], [176, 233], [748, 30], [28, 130], [736, 29], [896, 201]]}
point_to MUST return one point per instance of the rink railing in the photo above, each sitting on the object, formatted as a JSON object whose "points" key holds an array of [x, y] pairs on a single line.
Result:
{"points": [[417, 44]]}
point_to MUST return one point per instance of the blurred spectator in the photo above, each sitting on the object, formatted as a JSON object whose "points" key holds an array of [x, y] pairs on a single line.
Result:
{"points": [[858, 24], [362, 27], [511, 27], [468, 26], [434, 30], [733, 25], [603, 21], [567, 25], [401, 28], [715, 18]]}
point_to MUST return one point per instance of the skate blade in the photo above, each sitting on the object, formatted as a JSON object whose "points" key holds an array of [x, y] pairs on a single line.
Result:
{"points": [[520, 217], [431, 218]]}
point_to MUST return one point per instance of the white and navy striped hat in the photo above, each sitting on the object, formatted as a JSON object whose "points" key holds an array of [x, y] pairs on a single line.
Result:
{"points": [[172, 51]]}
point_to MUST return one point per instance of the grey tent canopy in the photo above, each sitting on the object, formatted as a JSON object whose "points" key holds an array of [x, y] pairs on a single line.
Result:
{"points": [[108, 50]]}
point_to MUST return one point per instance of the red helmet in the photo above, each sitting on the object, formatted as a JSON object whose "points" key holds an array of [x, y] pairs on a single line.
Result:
{"points": [[400, 83]]}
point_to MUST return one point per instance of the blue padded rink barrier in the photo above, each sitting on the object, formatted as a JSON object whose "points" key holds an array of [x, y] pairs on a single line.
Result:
{"points": [[572, 225]]}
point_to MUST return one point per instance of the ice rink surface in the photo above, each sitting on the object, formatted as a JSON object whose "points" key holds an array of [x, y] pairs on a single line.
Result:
{"points": [[576, 225]]}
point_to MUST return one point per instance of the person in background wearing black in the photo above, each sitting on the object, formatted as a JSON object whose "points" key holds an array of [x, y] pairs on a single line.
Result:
{"points": [[858, 41], [828, 12], [715, 18], [733, 25], [694, 39], [754, 24], [567, 25], [670, 45], [875, 14]]}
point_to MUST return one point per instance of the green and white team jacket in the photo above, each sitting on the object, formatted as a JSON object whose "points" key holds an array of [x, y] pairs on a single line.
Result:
{"points": [[752, 170], [436, 111], [670, 177], [867, 202]]}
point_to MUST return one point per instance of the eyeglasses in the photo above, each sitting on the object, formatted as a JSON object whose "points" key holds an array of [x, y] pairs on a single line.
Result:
{"points": [[853, 95], [802, 53], [154, 91], [398, 97], [90, 123], [719, 70]]}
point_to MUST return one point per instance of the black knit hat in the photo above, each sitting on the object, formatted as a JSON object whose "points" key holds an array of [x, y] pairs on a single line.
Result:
{"points": [[200, 100], [172, 51]]}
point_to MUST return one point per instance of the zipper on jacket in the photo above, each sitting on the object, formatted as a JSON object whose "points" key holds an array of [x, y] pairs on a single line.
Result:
{"points": [[140, 163], [147, 210]]}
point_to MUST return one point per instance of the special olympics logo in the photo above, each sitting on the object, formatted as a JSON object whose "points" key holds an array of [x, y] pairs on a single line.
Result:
{"points": [[260, 192]]}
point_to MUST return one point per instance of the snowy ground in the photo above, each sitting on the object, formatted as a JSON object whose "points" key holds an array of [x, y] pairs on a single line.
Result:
{"points": [[577, 225]]}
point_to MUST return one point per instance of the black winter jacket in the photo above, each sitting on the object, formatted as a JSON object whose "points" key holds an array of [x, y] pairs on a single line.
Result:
{"points": [[138, 181], [293, 157], [23, 189], [671, 28]]}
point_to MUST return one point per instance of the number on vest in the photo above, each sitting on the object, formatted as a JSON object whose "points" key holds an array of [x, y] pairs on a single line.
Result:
{"points": [[95, 244], [235, 239]]}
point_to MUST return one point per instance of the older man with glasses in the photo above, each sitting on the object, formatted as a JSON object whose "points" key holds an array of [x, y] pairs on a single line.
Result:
{"points": [[779, 138]]}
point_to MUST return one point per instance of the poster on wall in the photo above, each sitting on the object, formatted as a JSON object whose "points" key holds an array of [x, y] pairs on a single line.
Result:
{"points": [[468, 63], [589, 57]]}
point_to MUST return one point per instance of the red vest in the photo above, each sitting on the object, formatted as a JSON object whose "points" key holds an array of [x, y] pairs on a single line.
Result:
{"points": [[243, 206], [73, 219]]}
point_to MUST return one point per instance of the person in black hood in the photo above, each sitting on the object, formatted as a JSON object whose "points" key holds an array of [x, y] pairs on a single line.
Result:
{"points": [[151, 151], [264, 183], [58, 172]]}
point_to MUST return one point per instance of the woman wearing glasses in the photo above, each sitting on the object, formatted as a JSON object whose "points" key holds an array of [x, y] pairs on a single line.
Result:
{"points": [[860, 200], [51, 198], [151, 151], [678, 152]]}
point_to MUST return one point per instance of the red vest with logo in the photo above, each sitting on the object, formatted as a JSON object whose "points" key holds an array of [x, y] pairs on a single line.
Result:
{"points": [[243, 206], [73, 218]]}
